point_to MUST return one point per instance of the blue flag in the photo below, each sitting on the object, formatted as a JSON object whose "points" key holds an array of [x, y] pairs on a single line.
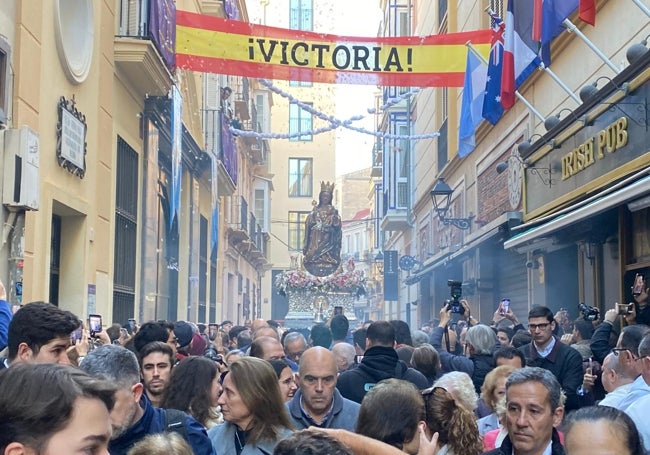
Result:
{"points": [[553, 14], [472, 105], [492, 108]]}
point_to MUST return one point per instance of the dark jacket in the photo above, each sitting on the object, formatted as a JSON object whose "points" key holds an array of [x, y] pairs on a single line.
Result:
{"points": [[599, 344], [153, 422], [344, 413], [506, 446], [379, 362], [477, 366], [565, 363]]}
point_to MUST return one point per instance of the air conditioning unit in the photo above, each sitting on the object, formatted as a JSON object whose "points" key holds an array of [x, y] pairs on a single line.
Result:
{"points": [[20, 172]]}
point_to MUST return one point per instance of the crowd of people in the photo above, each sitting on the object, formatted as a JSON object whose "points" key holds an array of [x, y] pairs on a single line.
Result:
{"points": [[455, 386]]}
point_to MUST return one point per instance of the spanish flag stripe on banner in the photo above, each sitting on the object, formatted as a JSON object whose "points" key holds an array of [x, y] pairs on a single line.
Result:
{"points": [[211, 44]]}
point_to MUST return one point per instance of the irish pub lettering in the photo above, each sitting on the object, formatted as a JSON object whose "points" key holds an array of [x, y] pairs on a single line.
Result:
{"points": [[595, 148]]}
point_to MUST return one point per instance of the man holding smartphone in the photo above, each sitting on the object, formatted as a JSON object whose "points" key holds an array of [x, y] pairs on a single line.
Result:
{"points": [[39, 333]]}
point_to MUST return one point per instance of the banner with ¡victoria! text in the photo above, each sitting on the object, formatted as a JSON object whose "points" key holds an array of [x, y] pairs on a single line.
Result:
{"points": [[216, 45]]}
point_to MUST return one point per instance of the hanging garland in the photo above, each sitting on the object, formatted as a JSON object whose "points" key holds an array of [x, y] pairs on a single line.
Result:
{"points": [[334, 123]]}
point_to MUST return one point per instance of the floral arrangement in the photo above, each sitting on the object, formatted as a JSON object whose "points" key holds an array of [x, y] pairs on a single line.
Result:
{"points": [[350, 281]]}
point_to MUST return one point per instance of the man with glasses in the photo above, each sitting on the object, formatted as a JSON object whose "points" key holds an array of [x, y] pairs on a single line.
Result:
{"points": [[627, 348], [638, 408], [548, 352], [295, 345], [533, 411]]}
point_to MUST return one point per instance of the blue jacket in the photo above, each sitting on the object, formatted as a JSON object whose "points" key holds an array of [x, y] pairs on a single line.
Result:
{"points": [[344, 413], [153, 422], [223, 441], [5, 319]]}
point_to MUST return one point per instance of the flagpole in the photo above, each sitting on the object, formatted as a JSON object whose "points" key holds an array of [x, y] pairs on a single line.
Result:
{"points": [[642, 7], [572, 28], [550, 72], [519, 95]]}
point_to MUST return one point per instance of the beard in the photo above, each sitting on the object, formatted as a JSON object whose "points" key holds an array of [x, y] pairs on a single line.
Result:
{"points": [[119, 430]]}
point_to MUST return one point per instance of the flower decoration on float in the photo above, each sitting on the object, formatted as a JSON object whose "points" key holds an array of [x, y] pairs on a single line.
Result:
{"points": [[349, 281]]}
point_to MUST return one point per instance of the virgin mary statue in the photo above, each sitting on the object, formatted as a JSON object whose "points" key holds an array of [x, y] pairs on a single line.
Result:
{"points": [[322, 246]]}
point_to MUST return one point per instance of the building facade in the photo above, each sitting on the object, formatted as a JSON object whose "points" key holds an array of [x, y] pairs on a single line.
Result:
{"points": [[557, 209], [124, 191]]}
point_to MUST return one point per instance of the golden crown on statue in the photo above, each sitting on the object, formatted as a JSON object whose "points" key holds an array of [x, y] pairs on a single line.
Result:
{"points": [[327, 187]]}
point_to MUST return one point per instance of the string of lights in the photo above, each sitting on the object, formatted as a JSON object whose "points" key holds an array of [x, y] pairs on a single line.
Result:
{"points": [[334, 123]]}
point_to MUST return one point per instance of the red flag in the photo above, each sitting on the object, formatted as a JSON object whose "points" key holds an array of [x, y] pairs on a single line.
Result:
{"points": [[588, 11], [537, 20]]}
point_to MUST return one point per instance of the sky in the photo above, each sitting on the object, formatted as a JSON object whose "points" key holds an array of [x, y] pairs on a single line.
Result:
{"points": [[353, 149]]}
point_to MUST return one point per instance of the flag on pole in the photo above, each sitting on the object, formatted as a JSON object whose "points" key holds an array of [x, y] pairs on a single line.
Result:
{"points": [[472, 104], [492, 108], [588, 11], [553, 14], [519, 53]]}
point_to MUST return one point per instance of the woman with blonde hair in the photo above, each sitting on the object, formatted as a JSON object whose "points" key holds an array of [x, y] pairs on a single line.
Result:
{"points": [[492, 390], [459, 384], [454, 423], [253, 410]]}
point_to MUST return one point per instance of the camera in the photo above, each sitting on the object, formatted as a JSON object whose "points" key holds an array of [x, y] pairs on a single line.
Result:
{"points": [[589, 313], [456, 292], [211, 353]]}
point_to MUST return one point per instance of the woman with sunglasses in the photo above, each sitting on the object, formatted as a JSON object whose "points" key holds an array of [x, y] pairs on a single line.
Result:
{"points": [[253, 410]]}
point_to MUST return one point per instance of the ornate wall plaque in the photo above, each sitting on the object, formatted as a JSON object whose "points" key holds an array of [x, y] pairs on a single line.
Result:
{"points": [[71, 138]]}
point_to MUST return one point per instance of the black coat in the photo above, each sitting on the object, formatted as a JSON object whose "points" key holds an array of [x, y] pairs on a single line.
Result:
{"points": [[378, 363], [565, 363]]}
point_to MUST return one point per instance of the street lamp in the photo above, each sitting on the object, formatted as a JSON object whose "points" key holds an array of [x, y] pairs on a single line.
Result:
{"points": [[379, 262], [441, 197]]}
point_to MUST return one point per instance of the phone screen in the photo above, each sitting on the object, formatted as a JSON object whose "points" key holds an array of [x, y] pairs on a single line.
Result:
{"points": [[95, 323], [637, 288], [213, 330], [76, 336], [505, 306]]}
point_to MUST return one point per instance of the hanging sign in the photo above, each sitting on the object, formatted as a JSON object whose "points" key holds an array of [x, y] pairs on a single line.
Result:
{"points": [[216, 45]]}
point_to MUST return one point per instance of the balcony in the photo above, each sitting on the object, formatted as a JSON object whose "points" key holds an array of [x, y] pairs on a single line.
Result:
{"points": [[395, 220], [396, 215], [226, 156], [257, 148], [246, 236], [213, 8], [143, 61]]}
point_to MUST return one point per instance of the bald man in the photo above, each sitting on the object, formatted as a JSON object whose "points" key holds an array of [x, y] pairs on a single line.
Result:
{"points": [[317, 402], [616, 381], [258, 324]]}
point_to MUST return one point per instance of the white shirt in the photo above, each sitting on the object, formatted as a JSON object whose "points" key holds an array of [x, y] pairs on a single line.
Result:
{"points": [[614, 397], [638, 412], [638, 390]]}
